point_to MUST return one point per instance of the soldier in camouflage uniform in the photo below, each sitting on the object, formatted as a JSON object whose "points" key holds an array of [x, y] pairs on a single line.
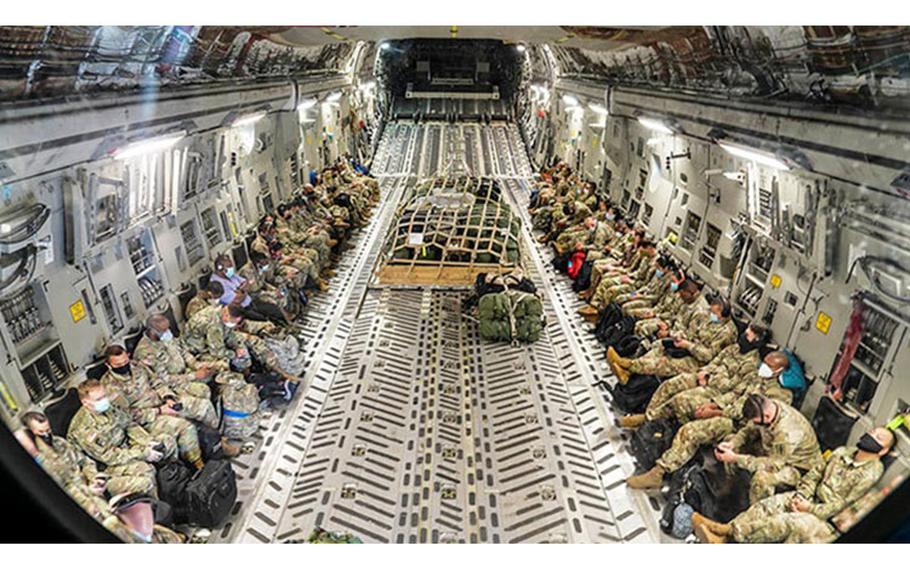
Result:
{"points": [[822, 492], [155, 406], [73, 470], [682, 296], [168, 375], [702, 335], [609, 288], [735, 365], [707, 421], [648, 295], [212, 334], [105, 431]]}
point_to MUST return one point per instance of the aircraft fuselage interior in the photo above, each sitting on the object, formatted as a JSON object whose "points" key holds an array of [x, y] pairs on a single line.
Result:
{"points": [[468, 284]]}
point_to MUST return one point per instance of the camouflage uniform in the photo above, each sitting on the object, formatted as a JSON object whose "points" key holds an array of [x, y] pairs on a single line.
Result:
{"points": [[165, 360], [195, 304], [111, 438], [789, 449], [644, 297], [241, 405], [597, 238], [666, 310], [828, 487], [609, 288], [707, 341], [143, 394], [260, 285], [697, 433], [206, 336], [75, 472], [725, 371]]}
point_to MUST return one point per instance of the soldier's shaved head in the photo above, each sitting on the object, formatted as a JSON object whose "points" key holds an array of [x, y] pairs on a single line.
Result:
{"points": [[158, 322], [777, 360], [86, 387]]}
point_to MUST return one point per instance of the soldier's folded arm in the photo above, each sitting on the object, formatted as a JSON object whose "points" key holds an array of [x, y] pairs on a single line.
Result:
{"points": [[86, 465], [808, 483], [107, 454]]}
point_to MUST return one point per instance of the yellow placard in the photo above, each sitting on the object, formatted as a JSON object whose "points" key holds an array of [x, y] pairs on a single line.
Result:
{"points": [[77, 310], [823, 323], [775, 281]]}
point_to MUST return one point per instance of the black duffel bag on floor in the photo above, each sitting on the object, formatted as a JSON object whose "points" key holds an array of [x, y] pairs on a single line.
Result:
{"points": [[211, 494], [173, 478], [634, 396], [651, 440], [583, 278]]}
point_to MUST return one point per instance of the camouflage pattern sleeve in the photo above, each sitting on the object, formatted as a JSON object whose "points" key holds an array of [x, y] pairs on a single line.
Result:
{"points": [[809, 481], [98, 445]]}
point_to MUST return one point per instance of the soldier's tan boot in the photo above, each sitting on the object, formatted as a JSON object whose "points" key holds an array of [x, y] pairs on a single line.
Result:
{"points": [[706, 536], [587, 310], [616, 359], [323, 285], [329, 273], [722, 529], [622, 375], [230, 450], [632, 421], [651, 479]]}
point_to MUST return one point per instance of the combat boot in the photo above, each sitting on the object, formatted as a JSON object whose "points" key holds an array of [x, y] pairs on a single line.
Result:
{"points": [[632, 421], [705, 535], [622, 375], [651, 479], [323, 285], [721, 529], [230, 450], [616, 359], [587, 310]]}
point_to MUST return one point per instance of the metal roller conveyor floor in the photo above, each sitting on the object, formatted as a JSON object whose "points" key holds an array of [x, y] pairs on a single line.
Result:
{"points": [[413, 429]]}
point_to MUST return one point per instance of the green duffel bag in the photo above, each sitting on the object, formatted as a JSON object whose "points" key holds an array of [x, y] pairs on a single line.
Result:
{"points": [[322, 536]]}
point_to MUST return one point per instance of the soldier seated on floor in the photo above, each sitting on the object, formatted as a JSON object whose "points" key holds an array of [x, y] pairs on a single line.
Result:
{"points": [[236, 291], [823, 491], [73, 471], [107, 433]]}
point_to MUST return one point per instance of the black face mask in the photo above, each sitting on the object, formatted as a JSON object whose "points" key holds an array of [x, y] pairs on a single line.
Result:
{"points": [[869, 444], [124, 370], [746, 346], [48, 439]]}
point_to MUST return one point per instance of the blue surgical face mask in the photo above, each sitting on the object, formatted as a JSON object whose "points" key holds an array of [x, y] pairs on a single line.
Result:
{"points": [[611, 217], [229, 272], [166, 336], [659, 273], [102, 404], [263, 269], [674, 286], [714, 318]]}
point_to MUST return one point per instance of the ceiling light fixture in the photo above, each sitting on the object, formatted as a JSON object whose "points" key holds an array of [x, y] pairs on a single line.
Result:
{"points": [[570, 100], [249, 119], [655, 125], [599, 109], [334, 97], [149, 145], [307, 104], [758, 156]]}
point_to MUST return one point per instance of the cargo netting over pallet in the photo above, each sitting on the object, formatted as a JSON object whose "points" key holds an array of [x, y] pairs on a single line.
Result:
{"points": [[449, 230]]}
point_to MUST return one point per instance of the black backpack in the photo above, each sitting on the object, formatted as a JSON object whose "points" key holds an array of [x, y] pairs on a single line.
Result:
{"points": [[211, 494], [651, 440], [617, 332], [679, 482], [629, 346], [832, 424], [717, 494], [173, 478], [634, 396], [209, 442], [561, 262], [583, 278]]}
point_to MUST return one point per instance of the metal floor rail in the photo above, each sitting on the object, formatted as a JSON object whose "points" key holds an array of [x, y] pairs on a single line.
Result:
{"points": [[413, 429]]}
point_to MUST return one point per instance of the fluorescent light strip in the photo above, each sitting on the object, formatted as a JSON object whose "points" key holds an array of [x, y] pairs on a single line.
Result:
{"points": [[249, 119], [149, 146], [599, 109], [757, 156], [570, 100], [307, 104], [655, 125]]}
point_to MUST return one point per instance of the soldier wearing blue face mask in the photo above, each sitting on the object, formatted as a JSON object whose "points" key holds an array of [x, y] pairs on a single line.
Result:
{"points": [[187, 377]]}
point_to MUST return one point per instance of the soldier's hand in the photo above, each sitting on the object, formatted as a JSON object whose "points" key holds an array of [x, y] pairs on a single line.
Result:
{"points": [[203, 373], [702, 378], [99, 485], [166, 410], [153, 456], [649, 314], [241, 352]]}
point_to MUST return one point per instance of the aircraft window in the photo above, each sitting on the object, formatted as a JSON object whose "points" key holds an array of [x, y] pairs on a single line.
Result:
{"points": [[640, 149], [626, 196], [634, 208]]}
